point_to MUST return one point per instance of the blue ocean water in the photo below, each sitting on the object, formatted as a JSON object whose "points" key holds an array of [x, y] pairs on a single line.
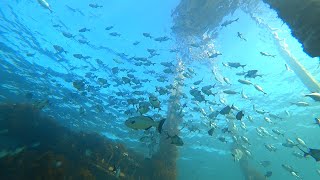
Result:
{"points": [[84, 85]]}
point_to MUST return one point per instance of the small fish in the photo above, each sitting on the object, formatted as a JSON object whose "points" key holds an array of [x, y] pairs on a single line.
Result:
{"points": [[115, 34], [300, 103], [84, 30], [147, 35], [136, 43], [267, 54], [301, 142], [236, 65], [259, 88], [223, 139], [226, 80], [67, 35], [109, 28], [226, 110], [162, 39], [211, 131], [252, 74], [45, 4], [214, 55], [246, 82], [95, 6], [196, 83], [230, 92], [288, 68], [241, 36], [239, 115], [277, 132], [144, 122], [59, 49]]}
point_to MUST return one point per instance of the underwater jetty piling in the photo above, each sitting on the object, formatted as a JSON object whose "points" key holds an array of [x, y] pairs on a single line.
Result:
{"points": [[36, 147], [164, 161], [303, 19]]}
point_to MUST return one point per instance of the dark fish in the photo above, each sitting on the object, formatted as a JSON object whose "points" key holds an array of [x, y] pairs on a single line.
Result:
{"points": [[114, 34], [225, 130], [315, 153], [241, 36], [147, 35], [223, 139], [214, 55], [226, 110], [95, 6], [239, 115], [83, 41], [268, 174], [67, 35], [228, 22], [267, 54], [78, 56], [136, 43], [211, 131], [161, 39], [317, 121], [252, 74], [108, 28], [59, 49], [84, 30], [235, 64]]}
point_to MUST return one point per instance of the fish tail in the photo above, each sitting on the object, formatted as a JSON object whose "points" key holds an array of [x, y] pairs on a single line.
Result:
{"points": [[305, 154]]}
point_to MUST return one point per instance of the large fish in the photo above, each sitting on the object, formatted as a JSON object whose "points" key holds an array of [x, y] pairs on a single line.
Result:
{"points": [[315, 153], [144, 122]]}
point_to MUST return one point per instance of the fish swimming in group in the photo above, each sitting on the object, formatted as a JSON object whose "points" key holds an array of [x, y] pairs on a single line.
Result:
{"points": [[315, 153], [239, 115], [108, 28], [317, 121], [95, 6], [45, 4], [147, 35], [236, 65], [252, 74], [144, 123], [267, 54], [226, 110], [84, 30], [228, 22], [241, 36], [211, 131], [213, 55], [162, 39]]}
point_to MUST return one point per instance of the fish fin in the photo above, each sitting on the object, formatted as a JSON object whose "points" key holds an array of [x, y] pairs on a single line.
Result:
{"points": [[305, 153], [148, 128], [160, 125]]}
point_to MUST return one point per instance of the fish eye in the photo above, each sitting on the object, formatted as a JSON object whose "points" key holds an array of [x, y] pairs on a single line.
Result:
{"points": [[132, 122]]}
